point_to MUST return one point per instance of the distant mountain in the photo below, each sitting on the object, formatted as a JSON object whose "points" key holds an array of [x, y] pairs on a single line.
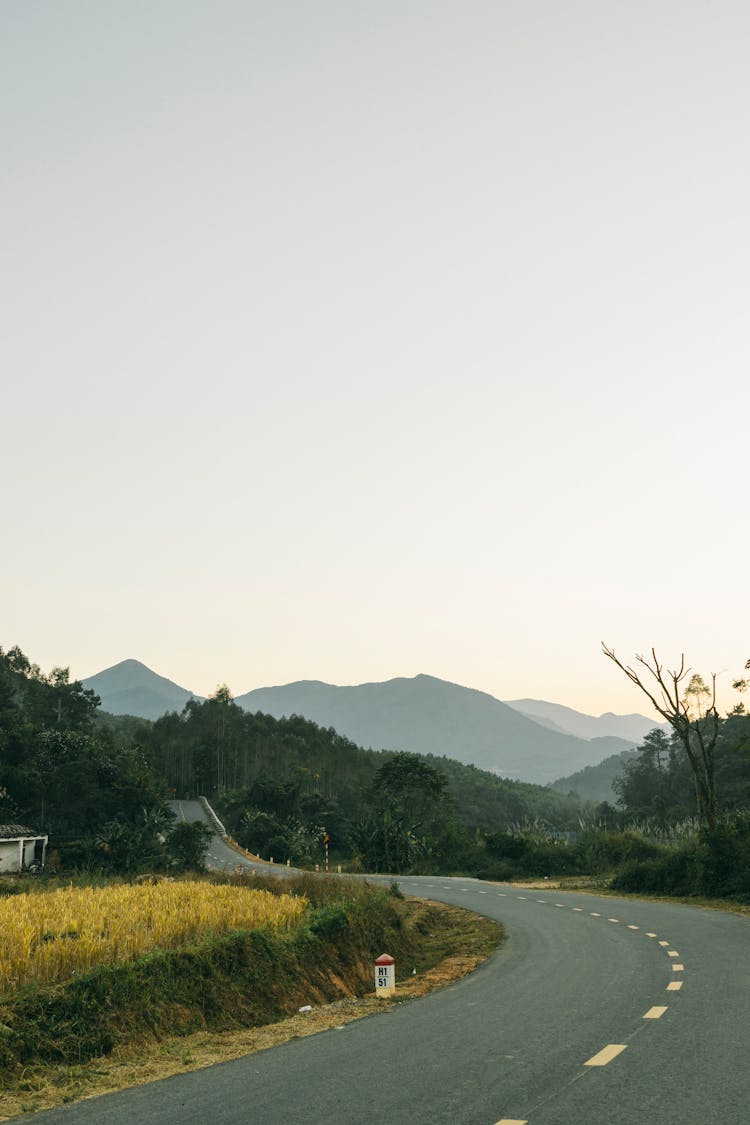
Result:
{"points": [[130, 688], [557, 717], [431, 716], [594, 783], [424, 714]]}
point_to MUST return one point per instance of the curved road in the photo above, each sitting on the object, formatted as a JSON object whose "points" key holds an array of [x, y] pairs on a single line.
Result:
{"points": [[220, 856], [658, 995]]}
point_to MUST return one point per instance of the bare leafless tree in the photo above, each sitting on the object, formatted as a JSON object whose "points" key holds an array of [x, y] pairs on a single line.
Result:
{"points": [[691, 713]]}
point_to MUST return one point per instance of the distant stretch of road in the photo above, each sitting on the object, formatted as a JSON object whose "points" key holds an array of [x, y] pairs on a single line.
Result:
{"points": [[220, 856], [596, 1011]]}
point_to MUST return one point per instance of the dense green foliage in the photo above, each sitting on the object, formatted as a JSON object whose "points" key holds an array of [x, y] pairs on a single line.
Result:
{"points": [[65, 774], [651, 841], [282, 785], [714, 864], [537, 853], [59, 773], [657, 785]]}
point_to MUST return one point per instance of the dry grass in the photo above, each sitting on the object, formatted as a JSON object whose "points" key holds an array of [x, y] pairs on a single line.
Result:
{"points": [[52, 935]]}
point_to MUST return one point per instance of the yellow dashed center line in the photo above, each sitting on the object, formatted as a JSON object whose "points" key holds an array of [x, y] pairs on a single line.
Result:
{"points": [[611, 1051], [511, 1121]]}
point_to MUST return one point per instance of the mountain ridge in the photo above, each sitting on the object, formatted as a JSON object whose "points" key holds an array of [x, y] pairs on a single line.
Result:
{"points": [[632, 727], [132, 688], [421, 714]]}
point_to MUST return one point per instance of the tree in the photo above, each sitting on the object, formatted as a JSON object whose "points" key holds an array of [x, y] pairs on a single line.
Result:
{"points": [[221, 701], [409, 785], [740, 686], [187, 845], [655, 783], [692, 716], [409, 814]]}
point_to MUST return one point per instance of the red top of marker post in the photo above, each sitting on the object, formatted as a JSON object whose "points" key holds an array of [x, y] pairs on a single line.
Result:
{"points": [[385, 959]]}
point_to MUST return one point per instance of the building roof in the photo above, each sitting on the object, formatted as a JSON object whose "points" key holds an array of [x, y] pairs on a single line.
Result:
{"points": [[16, 831]]}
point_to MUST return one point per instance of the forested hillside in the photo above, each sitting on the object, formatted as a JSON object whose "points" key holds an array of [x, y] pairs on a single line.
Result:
{"points": [[596, 783], [97, 783], [421, 714], [64, 774], [58, 771], [656, 783], [427, 715], [279, 782]]}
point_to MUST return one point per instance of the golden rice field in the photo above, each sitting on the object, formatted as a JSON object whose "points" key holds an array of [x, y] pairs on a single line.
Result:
{"points": [[52, 935]]}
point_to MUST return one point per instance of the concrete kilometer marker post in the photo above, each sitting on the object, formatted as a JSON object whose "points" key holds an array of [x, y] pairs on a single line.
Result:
{"points": [[385, 976]]}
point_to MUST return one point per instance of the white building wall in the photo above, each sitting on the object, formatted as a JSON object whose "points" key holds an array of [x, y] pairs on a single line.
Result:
{"points": [[15, 855], [9, 856]]}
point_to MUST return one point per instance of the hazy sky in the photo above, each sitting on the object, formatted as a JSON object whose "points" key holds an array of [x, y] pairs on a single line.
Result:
{"points": [[350, 340]]}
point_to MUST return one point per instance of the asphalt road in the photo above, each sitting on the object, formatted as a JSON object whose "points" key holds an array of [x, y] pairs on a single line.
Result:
{"points": [[577, 976], [220, 856]]}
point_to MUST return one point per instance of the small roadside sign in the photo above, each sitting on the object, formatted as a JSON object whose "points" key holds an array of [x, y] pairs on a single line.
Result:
{"points": [[385, 976]]}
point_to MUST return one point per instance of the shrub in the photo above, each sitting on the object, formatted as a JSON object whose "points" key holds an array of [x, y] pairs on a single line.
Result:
{"points": [[672, 873], [599, 851], [715, 864], [187, 845], [723, 867]]}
